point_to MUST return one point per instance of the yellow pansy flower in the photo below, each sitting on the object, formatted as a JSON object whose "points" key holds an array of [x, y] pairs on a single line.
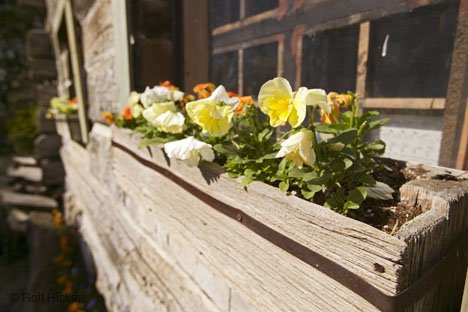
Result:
{"points": [[299, 148], [277, 100], [214, 113]]}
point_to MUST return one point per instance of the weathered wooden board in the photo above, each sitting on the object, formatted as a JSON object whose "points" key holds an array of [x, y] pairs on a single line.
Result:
{"points": [[141, 221], [28, 173], [9, 198]]}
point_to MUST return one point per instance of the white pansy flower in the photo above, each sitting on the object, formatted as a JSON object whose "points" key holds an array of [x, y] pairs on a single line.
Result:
{"points": [[298, 148], [150, 113], [220, 95], [169, 122], [134, 98], [189, 150], [177, 95], [136, 110], [155, 95]]}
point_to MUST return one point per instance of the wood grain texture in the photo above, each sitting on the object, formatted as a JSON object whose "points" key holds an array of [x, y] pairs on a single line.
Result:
{"points": [[171, 248], [457, 91]]}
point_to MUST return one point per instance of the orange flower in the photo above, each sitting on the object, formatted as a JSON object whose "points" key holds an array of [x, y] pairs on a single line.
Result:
{"points": [[127, 113], [62, 280], [108, 118], [63, 242], [244, 100], [335, 100], [73, 101], [68, 290], [204, 90], [167, 84], [74, 307]]}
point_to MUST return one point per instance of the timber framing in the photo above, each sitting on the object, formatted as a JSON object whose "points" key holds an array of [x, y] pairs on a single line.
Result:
{"points": [[457, 93]]}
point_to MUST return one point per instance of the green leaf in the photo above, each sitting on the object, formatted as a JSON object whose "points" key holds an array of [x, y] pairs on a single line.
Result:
{"points": [[295, 172], [284, 186], [225, 150], [307, 194], [350, 205], [380, 191], [336, 147], [249, 172], [323, 179], [265, 135], [364, 178], [358, 195], [282, 166], [267, 156], [346, 137], [153, 141], [246, 181], [310, 176]]}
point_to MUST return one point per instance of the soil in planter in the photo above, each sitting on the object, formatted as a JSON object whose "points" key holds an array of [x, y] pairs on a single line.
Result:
{"points": [[390, 215]]}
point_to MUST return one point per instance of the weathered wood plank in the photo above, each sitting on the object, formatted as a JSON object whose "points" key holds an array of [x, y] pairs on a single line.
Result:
{"points": [[156, 225], [28, 173], [147, 280], [9, 198], [405, 103], [25, 160], [457, 91]]}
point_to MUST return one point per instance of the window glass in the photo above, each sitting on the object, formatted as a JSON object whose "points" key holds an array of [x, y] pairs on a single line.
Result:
{"points": [[409, 54], [253, 7], [260, 65], [224, 70], [329, 59], [223, 12]]}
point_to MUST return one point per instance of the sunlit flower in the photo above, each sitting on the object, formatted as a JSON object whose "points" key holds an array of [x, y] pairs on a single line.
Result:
{"points": [[335, 101], [277, 100], [133, 98], [155, 95], [299, 148], [136, 109], [243, 101], [169, 122], [189, 150], [150, 113], [167, 84], [204, 90], [127, 113], [214, 113], [74, 307], [108, 118], [73, 101], [176, 95]]}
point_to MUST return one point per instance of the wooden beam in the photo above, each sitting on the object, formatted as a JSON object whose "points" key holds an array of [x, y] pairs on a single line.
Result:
{"points": [[247, 44], [316, 15], [196, 42], [363, 52], [457, 92], [462, 157], [405, 103], [122, 54], [56, 19], [74, 58]]}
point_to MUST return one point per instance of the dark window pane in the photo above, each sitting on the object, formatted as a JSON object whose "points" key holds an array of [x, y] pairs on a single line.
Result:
{"points": [[260, 65], [409, 54], [223, 12], [329, 59], [253, 7], [152, 52], [224, 70]]}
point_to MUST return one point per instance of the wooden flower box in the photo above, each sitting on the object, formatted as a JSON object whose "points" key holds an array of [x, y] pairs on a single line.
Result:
{"points": [[68, 126], [166, 236]]}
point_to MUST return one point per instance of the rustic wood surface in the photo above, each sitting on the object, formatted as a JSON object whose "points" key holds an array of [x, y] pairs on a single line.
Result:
{"points": [[9, 198], [161, 241]]}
